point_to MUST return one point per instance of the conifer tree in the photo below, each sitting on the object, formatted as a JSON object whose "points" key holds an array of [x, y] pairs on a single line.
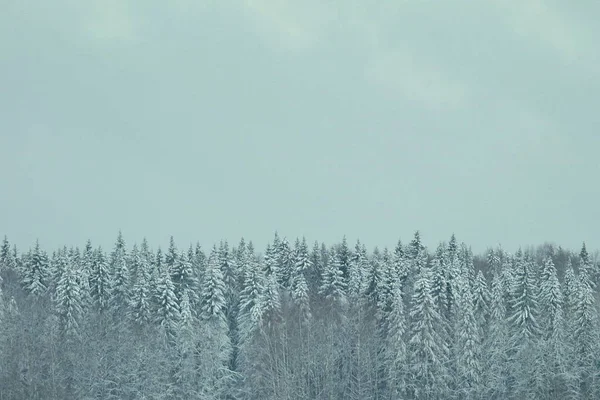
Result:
{"points": [[426, 347], [140, 305], [68, 300], [100, 283], [35, 280], [333, 287], [297, 281], [167, 312]]}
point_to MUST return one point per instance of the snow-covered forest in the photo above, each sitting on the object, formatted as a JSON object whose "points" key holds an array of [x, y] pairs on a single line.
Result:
{"points": [[298, 321]]}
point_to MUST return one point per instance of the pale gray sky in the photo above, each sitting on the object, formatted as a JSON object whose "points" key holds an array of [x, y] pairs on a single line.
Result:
{"points": [[221, 119]]}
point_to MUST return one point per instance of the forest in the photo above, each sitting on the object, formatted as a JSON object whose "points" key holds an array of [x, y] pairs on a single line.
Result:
{"points": [[298, 321]]}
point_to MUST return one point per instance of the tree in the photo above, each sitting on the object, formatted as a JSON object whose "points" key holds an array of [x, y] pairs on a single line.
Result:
{"points": [[35, 280], [251, 301], [167, 313], [68, 299], [426, 348], [140, 305], [297, 281], [100, 283], [333, 287]]}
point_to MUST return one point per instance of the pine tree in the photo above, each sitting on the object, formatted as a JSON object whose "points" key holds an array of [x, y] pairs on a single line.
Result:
{"points": [[426, 347], [184, 279], [525, 309], [481, 302], [356, 272], [297, 281], [497, 342], [251, 301], [68, 300], [217, 344], [285, 263], [140, 305], [6, 260], [396, 350], [212, 293], [167, 313], [120, 278], [100, 283], [344, 256], [35, 280], [586, 331], [333, 287], [468, 341]]}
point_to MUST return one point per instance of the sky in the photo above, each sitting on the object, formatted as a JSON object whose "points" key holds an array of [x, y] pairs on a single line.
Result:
{"points": [[210, 120]]}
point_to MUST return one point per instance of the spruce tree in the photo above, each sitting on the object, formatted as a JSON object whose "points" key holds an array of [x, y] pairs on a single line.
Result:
{"points": [[35, 280], [426, 348], [68, 300]]}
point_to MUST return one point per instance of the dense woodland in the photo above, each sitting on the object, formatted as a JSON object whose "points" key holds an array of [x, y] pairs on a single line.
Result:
{"points": [[298, 321]]}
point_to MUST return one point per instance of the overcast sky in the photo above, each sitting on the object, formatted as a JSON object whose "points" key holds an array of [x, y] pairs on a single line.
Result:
{"points": [[212, 120]]}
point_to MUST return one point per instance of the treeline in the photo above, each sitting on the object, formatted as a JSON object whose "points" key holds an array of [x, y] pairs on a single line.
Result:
{"points": [[298, 322]]}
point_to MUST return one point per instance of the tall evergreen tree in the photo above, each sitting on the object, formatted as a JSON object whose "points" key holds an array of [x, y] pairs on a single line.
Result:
{"points": [[35, 279], [68, 300], [100, 282], [426, 347]]}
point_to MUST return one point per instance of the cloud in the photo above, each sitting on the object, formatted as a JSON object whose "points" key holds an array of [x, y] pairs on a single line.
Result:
{"points": [[415, 78], [544, 23], [288, 23], [110, 20]]}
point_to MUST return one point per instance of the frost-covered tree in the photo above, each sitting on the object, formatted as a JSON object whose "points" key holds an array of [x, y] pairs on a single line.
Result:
{"points": [[120, 277], [285, 262], [100, 281], [525, 310], [468, 341], [396, 357], [481, 303], [333, 287], [297, 281], [140, 304], [585, 336], [212, 292], [356, 273], [184, 279], [7, 262], [217, 350], [35, 279], [167, 311], [68, 300], [251, 301], [497, 363], [427, 350]]}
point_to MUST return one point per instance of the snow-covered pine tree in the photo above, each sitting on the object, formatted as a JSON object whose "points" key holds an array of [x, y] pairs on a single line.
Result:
{"points": [[167, 312], [552, 328], [585, 338], [344, 256], [525, 329], [396, 355], [427, 352], [333, 287], [285, 263], [297, 281], [120, 278], [140, 305], [251, 300], [100, 282], [35, 279], [184, 280], [356, 271], [497, 363], [468, 341], [481, 303], [217, 347], [68, 300]]}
